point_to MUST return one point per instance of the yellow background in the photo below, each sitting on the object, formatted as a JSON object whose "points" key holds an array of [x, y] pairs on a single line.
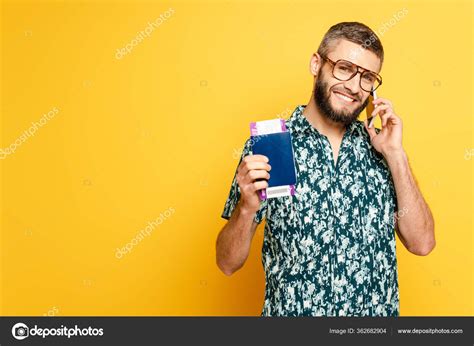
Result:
{"points": [[160, 128]]}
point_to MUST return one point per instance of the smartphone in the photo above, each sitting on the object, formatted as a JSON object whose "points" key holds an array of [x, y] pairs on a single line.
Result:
{"points": [[370, 108]]}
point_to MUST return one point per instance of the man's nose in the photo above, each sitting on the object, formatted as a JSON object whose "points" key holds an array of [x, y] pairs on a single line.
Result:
{"points": [[353, 84]]}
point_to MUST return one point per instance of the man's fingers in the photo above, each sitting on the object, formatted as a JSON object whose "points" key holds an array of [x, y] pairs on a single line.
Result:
{"points": [[380, 100], [389, 116], [251, 170], [251, 158], [250, 165], [257, 174], [258, 185], [378, 109], [384, 118], [258, 165], [255, 186], [384, 112]]}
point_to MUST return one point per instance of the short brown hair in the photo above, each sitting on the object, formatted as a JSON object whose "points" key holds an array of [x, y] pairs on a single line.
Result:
{"points": [[355, 32]]}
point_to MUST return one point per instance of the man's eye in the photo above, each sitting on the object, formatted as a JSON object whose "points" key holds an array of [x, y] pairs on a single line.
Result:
{"points": [[345, 68], [369, 77]]}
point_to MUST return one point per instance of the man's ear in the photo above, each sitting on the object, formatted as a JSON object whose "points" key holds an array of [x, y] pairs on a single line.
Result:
{"points": [[315, 64]]}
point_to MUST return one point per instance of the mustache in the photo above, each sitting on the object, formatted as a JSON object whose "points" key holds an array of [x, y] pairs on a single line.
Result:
{"points": [[345, 91]]}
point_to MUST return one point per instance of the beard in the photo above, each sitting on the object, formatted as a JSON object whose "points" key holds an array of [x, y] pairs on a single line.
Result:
{"points": [[321, 98]]}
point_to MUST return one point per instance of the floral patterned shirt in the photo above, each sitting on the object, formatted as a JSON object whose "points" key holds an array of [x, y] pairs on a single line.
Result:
{"points": [[329, 250]]}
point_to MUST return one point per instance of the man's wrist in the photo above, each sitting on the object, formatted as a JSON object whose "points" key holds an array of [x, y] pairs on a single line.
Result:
{"points": [[244, 210], [395, 156]]}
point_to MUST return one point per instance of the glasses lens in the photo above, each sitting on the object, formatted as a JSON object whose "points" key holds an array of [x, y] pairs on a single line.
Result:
{"points": [[369, 81], [344, 70]]}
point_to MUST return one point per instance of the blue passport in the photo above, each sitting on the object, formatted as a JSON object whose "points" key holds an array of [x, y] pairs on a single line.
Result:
{"points": [[277, 147]]}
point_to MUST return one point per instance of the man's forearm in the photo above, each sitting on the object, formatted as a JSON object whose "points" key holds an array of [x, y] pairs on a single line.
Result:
{"points": [[234, 240], [416, 226]]}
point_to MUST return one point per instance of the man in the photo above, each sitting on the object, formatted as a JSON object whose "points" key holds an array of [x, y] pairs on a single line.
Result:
{"points": [[329, 250]]}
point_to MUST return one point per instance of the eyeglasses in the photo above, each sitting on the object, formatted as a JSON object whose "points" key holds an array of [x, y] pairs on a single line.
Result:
{"points": [[344, 70]]}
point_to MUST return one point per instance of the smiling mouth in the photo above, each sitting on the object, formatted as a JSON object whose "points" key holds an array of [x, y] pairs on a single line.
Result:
{"points": [[344, 97]]}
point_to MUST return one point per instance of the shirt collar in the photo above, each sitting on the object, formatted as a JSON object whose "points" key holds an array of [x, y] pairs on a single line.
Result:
{"points": [[299, 124]]}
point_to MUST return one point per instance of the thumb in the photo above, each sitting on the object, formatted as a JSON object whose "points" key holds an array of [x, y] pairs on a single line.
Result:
{"points": [[371, 130]]}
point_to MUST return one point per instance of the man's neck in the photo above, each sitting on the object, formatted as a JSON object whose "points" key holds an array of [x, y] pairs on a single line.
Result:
{"points": [[321, 123]]}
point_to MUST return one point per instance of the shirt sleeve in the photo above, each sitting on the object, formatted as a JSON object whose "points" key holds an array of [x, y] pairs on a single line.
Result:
{"points": [[234, 193]]}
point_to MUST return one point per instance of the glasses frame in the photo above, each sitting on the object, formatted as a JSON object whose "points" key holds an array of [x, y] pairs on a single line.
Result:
{"points": [[379, 77]]}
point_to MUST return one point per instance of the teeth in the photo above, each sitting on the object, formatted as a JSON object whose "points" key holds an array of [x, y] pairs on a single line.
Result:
{"points": [[348, 99]]}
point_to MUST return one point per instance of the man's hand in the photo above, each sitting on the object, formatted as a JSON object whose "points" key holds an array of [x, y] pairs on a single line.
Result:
{"points": [[251, 168], [416, 228], [389, 140], [233, 241]]}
